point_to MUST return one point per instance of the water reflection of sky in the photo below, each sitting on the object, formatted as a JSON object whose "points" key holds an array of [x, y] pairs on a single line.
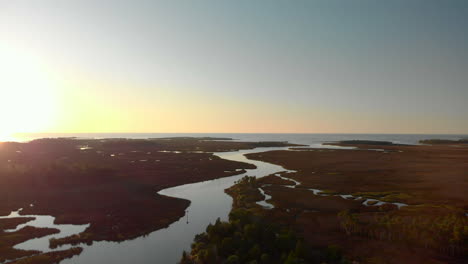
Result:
{"points": [[208, 202], [43, 221]]}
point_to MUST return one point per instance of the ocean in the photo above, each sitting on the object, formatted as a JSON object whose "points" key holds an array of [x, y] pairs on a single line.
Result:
{"points": [[306, 139]]}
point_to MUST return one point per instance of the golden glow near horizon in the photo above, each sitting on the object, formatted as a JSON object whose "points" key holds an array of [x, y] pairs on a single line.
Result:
{"points": [[95, 67], [28, 102]]}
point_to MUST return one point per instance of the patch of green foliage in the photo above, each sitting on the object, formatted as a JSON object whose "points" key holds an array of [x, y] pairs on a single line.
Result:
{"points": [[329, 192], [245, 193], [388, 196], [397, 197], [249, 238], [374, 195]]}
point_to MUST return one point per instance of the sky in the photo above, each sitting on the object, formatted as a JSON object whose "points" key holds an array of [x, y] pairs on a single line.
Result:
{"points": [[249, 66]]}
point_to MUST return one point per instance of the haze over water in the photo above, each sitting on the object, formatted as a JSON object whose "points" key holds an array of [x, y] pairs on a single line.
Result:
{"points": [[307, 139]]}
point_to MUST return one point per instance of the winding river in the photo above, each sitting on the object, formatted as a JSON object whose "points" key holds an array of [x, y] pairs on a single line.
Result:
{"points": [[208, 202]]}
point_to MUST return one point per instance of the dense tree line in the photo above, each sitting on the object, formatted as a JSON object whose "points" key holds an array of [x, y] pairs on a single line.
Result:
{"points": [[446, 233], [249, 238], [443, 141]]}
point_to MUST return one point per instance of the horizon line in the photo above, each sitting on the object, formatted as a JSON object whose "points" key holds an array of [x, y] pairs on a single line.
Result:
{"points": [[272, 133]]}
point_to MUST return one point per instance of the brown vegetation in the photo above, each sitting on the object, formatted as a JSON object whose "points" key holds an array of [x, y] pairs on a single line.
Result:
{"points": [[11, 223], [9, 239], [51, 257], [304, 199], [111, 184], [440, 228], [434, 229], [410, 174], [271, 179]]}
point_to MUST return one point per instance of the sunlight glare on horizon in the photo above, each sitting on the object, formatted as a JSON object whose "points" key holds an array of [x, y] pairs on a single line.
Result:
{"points": [[27, 94], [220, 66]]}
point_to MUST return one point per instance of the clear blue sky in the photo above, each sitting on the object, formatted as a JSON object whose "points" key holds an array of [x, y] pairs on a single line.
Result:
{"points": [[244, 66]]}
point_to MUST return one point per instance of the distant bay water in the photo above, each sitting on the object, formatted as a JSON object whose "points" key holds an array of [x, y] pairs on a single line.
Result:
{"points": [[306, 139]]}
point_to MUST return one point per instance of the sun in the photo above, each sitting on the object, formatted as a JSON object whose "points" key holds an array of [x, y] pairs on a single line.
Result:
{"points": [[27, 94]]}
